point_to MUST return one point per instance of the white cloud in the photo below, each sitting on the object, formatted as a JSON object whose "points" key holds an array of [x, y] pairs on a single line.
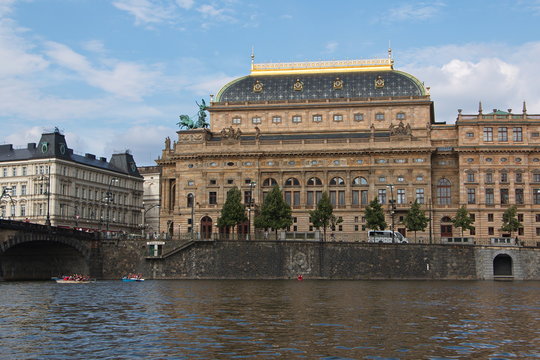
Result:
{"points": [[123, 79], [185, 4], [460, 76], [146, 11], [418, 11], [331, 46]]}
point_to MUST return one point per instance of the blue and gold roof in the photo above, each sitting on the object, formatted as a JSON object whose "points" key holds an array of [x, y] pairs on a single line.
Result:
{"points": [[321, 80]]}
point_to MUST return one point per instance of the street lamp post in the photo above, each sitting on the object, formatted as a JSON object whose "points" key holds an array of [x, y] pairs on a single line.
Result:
{"points": [[41, 178], [251, 185], [191, 197], [392, 208], [5, 192], [144, 218], [109, 199]]}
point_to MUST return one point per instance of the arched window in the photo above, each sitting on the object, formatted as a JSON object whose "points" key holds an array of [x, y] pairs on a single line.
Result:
{"points": [[189, 200], [292, 182], [269, 182], [443, 192], [359, 181], [314, 181], [337, 181]]}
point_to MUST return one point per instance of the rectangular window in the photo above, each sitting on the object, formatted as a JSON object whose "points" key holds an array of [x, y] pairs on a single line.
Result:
{"points": [[491, 230], [471, 196], [276, 119], [536, 177], [341, 198], [503, 134], [470, 177], [490, 217], [488, 134], [296, 199], [382, 196], [256, 120], [520, 199], [236, 120], [24, 170], [23, 189], [338, 117], [538, 231], [4, 172], [537, 217], [504, 177], [296, 119], [520, 217], [364, 197], [247, 197], [401, 196], [22, 210], [358, 117], [212, 198], [14, 190], [14, 171], [317, 118], [420, 196], [504, 196], [355, 197], [333, 196], [490, 200], [310, 201], [536, 196], [379, 116], [519, 177], [517, 134], [489, 178]]}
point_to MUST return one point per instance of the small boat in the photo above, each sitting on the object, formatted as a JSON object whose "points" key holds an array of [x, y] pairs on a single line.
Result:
{"points": [[73, 279], [125, 278], [63, 281]]}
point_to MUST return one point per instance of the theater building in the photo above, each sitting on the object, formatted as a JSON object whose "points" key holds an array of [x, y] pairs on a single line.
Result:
{"points": [[359, 130]]}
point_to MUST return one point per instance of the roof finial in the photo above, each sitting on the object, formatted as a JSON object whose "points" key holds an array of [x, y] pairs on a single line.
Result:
{"points": [[389, 50], [252, 55], [524, 107], [480, 107]]}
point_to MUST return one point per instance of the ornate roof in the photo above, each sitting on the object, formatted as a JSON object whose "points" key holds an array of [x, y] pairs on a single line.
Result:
{"points": [[308, 81]]}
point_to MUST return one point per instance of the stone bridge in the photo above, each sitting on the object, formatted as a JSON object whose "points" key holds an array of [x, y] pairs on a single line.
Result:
{"points": [[37, 252]]}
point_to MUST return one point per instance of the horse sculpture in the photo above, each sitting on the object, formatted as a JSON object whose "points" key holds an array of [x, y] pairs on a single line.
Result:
{"points": [[189, 124]]}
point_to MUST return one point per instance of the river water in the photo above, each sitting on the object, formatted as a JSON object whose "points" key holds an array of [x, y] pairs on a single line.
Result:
{"points": [[270, 320]]}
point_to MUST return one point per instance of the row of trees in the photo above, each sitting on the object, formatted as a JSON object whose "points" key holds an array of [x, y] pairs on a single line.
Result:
{"points": [[276, 214]]}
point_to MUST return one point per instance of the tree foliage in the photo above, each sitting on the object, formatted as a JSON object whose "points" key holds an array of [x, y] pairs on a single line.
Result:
{"points": [[510, 221], [275, 213], [416, 219], [375, 216], [323, 216], [463, 220], [233, 211]]}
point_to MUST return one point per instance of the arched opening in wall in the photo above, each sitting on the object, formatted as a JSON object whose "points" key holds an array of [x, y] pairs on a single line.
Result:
{"points": [[206, 228], [502, 265]]}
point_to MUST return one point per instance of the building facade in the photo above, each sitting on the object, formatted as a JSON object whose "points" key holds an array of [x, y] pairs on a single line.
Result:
{"points": [[359, 130], [48, 183], [151, 200]]}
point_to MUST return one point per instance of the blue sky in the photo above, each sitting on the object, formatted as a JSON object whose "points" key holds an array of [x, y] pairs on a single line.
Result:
{"points": [[116, 74]]}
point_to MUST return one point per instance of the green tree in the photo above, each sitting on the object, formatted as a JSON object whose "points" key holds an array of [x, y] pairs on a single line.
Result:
{"points": [[233, 212], [323, 216], [375, 216], [510, 221], [416, 219], [275, 213], [463, 220]]}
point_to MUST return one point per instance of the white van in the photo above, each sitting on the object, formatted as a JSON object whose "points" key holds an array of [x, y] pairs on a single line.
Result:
{"points": [[385, 236]]}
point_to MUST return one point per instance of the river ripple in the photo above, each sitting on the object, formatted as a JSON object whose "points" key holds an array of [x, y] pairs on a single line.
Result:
{"points": [[270, 320]]}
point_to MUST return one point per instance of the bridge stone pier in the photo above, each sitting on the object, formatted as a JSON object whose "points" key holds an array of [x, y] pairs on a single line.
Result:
{"points": [[38, 252]]}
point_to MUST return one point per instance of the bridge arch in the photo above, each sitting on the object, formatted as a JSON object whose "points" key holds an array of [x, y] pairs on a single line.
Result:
{"points": [[37, 252]]}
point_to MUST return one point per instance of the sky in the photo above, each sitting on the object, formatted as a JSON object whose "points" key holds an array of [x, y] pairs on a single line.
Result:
{"points": [[114, 75]]}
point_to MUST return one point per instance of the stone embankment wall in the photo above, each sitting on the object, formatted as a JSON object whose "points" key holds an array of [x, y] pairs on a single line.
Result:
{"points": [[313, 260]]}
